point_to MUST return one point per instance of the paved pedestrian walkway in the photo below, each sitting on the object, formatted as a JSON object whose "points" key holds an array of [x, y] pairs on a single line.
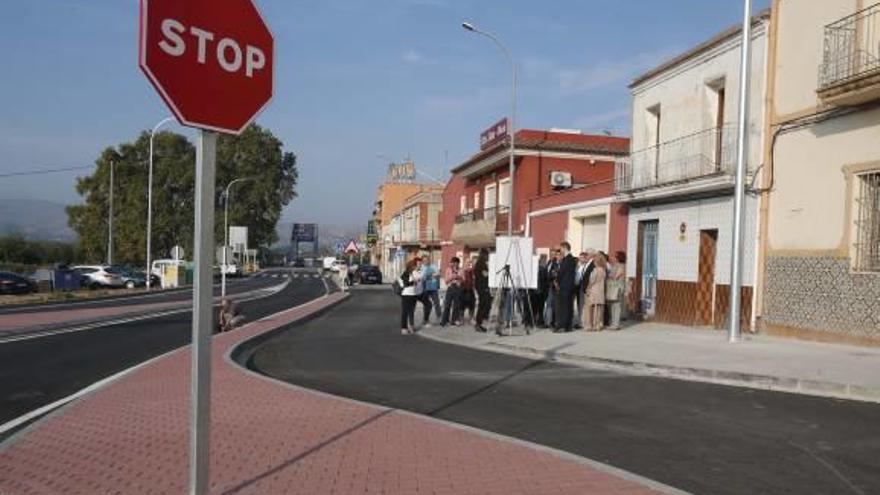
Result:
{"points": [[758, 361], [267, 437], [25, 323]]}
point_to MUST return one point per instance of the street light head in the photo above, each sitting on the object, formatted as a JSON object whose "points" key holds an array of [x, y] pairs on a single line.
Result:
{"points": [[468, 26]]}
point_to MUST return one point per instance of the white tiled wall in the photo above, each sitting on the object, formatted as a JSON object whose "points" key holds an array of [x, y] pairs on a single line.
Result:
{"points": [[678, 256]]}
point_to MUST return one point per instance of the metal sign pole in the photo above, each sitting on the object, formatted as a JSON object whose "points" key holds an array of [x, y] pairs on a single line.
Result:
{"points": [[202, 321], [742, 147]]}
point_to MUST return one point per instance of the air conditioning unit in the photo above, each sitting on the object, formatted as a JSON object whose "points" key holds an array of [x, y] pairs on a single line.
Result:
{"points": [[560, 180]]}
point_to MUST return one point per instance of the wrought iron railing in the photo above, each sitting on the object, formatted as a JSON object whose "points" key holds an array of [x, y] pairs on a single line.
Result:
{"points": [[702, 154], [422, 236], [851, 48], [867, 252], [483, 214]]}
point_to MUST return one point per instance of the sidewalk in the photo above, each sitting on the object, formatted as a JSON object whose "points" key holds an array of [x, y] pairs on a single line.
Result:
{"points": [[272, 438], [26, 323], [810, 368]]}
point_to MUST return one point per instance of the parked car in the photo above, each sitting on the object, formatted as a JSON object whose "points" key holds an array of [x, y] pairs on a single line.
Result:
{"points": [[11, 283], [231, 269], [99, 276], [132, 277], [368, 274]]}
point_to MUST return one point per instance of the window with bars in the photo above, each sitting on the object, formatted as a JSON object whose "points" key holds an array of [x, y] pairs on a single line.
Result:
{"points": [[867, 246]]}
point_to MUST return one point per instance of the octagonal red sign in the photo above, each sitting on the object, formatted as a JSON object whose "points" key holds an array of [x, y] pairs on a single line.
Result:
{"points": [[212, 61]]}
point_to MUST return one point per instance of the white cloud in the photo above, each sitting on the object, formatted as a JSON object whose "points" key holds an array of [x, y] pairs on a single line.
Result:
{"points": [[413, 57], [610, 120], [604, 73]]}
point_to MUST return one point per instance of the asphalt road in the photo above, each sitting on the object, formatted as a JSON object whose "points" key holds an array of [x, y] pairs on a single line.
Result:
{"points": [[40, 371], [698, 437], [233, 286]]}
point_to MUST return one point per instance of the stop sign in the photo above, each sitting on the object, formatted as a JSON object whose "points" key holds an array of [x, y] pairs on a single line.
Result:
{"points": [[210, 60]]}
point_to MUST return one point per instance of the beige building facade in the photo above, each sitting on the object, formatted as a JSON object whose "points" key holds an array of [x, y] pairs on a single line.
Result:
{"points": [[820, 212]]}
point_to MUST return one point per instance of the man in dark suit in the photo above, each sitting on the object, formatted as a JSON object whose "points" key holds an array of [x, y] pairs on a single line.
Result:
{"points": [[566, 289]]}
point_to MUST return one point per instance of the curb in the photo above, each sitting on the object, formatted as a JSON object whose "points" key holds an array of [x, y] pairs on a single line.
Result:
{"points": [[814, 388]]}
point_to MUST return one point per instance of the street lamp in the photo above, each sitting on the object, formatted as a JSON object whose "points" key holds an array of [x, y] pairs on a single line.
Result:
{"points": [[512, 125], [742, 149], [226, 232], [150, 200]]}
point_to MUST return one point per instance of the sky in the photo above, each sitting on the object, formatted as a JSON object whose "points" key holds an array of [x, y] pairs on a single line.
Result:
{"points": [[358, 83]]}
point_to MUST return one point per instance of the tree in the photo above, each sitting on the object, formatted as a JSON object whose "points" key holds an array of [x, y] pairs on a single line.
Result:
{"points": [[255, 154], [173, 189]]}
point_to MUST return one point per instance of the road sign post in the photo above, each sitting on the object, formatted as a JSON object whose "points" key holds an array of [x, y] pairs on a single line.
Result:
{"points": [[212, 63], [202, 323]]}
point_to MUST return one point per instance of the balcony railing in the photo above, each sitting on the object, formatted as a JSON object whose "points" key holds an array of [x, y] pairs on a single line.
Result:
{"points": [[708, 153], [852, 48], [422, 236], [498, 214]]}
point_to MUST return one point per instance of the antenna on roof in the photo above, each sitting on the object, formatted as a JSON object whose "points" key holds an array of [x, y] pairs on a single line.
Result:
{"points": [[608, 132]]}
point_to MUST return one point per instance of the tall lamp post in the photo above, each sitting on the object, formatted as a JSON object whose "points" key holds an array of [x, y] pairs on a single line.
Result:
{"points": [[742, 147], [226, 232], [512, 125], [150, 201], [110, 220]]}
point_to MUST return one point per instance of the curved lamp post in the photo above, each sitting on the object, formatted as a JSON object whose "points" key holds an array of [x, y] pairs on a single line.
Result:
{"points": [[150, 200], [512, 124], [226, 232]]}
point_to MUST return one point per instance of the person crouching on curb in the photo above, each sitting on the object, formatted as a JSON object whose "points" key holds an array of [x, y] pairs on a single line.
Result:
{"points": [[230, 316], [411, 292]]}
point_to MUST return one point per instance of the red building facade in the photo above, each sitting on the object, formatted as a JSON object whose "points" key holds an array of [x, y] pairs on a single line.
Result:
{"points": [[563, 189]]}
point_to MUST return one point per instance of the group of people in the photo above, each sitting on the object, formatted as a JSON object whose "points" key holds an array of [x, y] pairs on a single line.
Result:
{"points": [[583, 292], [420, 283]]}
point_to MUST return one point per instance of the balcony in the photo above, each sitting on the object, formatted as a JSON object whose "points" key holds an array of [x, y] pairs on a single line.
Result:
{"points": [[478, 228], [420, 237], [850, 69], [706, 156]]}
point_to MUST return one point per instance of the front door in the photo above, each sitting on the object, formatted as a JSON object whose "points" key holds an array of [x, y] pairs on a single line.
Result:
{"points": [[705, 303], [647, 258]]}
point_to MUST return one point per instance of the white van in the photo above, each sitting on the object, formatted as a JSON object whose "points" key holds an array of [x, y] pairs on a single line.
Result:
{"points": [[159, 265]]}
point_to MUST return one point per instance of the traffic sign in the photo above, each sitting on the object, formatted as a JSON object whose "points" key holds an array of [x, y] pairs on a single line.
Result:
{"points": [[212, 62], [351, 248]]}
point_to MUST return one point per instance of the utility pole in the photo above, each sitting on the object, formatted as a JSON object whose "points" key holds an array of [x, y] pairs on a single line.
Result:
{"points": [[110, 220], [742, 148]]}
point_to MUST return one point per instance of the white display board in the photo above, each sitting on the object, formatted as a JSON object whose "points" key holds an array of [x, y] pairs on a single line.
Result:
{"points": [[519, 254], [238, 238]]}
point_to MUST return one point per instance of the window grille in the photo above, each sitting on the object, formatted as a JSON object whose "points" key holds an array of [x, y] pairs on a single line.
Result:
{"points": [[867, 246]]}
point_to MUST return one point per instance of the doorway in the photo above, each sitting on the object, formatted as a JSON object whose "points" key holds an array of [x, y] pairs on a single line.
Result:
{"points": [[647, 265], [705, 302]]}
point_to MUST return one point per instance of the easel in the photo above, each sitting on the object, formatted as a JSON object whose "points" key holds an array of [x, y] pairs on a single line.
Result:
{"points": [[514, 294]]}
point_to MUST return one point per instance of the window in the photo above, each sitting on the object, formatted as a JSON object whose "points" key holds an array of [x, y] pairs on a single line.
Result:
{"points": [[652, 125], [867, 247], [504, 193], [463, 205], [717, 97], [477, 200]]}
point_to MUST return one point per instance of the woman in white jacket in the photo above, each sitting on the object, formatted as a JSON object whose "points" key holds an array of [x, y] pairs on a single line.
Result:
{"points": [[412, 286]]}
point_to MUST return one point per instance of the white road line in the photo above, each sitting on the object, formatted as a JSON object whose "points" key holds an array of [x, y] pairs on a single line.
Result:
{"points": [[60, 402], [257, 294]]}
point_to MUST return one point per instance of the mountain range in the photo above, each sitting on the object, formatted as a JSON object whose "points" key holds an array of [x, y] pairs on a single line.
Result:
{"points": [[35, 219]]}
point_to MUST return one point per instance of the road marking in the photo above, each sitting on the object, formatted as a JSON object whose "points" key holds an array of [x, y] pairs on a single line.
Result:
{"points": [[257, 294], [12, 309], [36, 413]]}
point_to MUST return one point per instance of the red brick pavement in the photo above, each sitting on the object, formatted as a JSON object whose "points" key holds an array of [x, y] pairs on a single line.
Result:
{"points": [[131, 437]]}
